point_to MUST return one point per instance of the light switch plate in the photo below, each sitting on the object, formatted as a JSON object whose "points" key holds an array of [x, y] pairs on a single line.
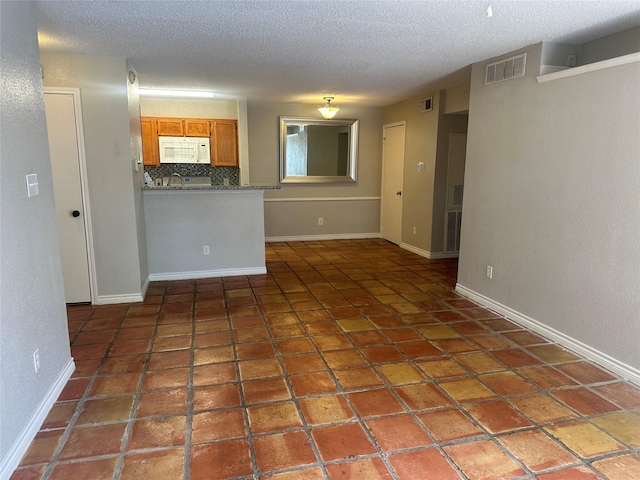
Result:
{"points": [[32, 185]]}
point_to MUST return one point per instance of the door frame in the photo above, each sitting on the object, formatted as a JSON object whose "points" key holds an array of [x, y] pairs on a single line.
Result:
{"points": [[402, 124], [448, 208], [84, 184]]}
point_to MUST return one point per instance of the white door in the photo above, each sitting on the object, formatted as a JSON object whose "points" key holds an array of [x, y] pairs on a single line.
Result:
{"points": [[64, 148], [392, 172]]}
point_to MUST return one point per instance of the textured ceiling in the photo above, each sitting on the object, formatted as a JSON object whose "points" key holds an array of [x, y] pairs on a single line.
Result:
{"points": [[373, 52]]}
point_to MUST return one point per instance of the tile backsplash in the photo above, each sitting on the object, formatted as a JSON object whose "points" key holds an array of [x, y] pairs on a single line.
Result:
{"points": [[217, 174]]}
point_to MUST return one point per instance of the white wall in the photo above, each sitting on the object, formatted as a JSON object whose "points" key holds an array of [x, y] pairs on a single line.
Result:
{"points": [[180, 223], [135, 140], [552, 196], [421, 137], [293, 210], [114, 186], [188, 107], [456, 99], [32, 309], [427, 141], [611, 46]]}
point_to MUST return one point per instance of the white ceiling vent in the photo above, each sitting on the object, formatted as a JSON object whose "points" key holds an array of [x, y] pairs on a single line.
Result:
{"points": [[512, 67], [425, 105]]}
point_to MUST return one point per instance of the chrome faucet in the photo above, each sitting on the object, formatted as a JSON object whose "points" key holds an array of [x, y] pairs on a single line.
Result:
{"points": [[176, 175]]}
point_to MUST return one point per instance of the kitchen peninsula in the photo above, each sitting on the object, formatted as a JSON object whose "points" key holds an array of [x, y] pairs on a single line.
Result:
{"points": [[204, 231]]}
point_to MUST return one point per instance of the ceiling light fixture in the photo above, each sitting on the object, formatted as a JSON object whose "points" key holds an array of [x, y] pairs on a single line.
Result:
{"points": [[152, 92], [327, 110], [489, 11]]}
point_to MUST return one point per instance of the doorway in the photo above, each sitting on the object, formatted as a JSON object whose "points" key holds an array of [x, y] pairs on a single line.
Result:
{"points": [[393, 138], [455, 187], [68, 169]]}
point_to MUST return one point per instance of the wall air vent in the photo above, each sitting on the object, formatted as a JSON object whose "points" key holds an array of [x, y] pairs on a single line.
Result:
{"points": [[506, 69], [425, 105]]}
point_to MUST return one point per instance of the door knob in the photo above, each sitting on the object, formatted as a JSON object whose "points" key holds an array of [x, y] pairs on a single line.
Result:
{"points": [[75, 213], [399, 194]]}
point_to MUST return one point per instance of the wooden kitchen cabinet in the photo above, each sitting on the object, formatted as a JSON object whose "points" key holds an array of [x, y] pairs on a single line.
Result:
{"points": [[150, 154], [224, 143], [222, 133], [173, 127], [194, 127]]}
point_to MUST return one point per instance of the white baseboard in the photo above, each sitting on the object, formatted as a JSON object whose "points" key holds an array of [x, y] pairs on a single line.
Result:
{"points": [[329, 236], [322, 199], [625, 371], [427, 254], [128, 298], [440, 255], [22, 443], [224, 272]]}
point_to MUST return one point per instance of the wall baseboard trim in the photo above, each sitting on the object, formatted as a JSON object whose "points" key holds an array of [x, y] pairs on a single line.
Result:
{"points": [[328, 236], [127, 298], [323, 199], [145, 286], [22, 443], [440, 255], [223, 272], [625, 371], [427, 254]]}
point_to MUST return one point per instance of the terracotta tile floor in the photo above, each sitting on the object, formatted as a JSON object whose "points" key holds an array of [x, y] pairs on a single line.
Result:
{"points": [[349, 359]]}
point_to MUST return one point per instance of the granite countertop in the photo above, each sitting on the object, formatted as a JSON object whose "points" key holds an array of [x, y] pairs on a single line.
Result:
{"points": [[159, 188]]}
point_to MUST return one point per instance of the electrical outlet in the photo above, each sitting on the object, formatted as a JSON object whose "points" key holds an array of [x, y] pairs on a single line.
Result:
{"points": [[320, 221], [205, 250], [414, 230], [36, 360], [225, 182], [489, 272]]}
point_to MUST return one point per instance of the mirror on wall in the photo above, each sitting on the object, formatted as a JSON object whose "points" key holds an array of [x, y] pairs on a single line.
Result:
{"points": [[315, 150]]}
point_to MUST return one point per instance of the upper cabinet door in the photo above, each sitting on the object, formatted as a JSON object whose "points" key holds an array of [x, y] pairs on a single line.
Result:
{"points": [[173, 127], [194, 127], [224, 143], [150, 154]]}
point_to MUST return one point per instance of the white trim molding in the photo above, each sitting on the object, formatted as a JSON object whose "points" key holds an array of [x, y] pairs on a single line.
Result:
{"points": [[145, 286], [126, 298], [22, 443], [329, 236], [323, 199], [602, 359], [427, 254], [223, 272]]}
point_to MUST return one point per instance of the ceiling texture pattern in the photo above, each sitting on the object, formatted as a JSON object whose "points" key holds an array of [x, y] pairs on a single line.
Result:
{"points": [[367, 52]]}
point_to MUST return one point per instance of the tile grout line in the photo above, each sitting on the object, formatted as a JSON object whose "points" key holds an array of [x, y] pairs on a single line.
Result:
{"points": [[136, 399], [243, 404], [186, 466]]}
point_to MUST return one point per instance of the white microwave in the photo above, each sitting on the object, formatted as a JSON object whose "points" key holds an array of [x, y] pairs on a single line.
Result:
{"points": [[184, 149]]}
